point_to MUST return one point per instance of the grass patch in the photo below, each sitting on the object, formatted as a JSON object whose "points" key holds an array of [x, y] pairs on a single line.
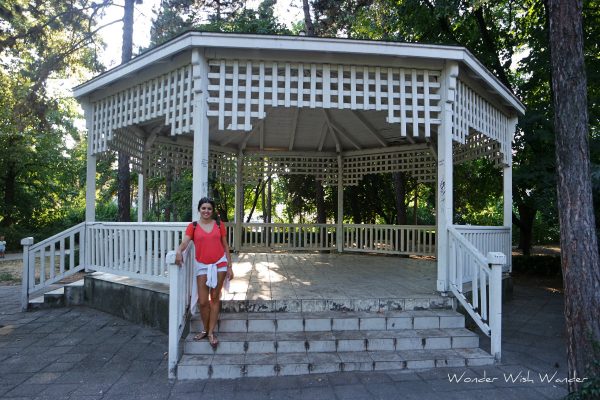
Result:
{"points": [[7, 277]]}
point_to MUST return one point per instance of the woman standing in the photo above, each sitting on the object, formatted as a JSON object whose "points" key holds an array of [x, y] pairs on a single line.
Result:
{"points": [[212, 264]]}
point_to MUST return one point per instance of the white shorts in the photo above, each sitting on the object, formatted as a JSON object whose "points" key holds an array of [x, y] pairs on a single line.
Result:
{"points": [[202, 269]]}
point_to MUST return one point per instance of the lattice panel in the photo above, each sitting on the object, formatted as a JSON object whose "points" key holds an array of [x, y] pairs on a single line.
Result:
{"points": [[179, 158], [240, 91], [476, 146], [324, 168], [169, 96], [472, 111], [223, 165], [420, 164], [128, 141]]}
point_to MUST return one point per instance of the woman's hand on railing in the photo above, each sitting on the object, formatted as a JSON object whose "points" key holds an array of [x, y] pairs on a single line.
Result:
{"points": [[230, 272], [178, 258]]}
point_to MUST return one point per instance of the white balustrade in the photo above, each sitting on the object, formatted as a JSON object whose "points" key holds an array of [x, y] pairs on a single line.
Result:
{"points": [[51, 260], [136, 250], [390, 239], [489, 239], [256, 236], [471, 271], [180, 291]]}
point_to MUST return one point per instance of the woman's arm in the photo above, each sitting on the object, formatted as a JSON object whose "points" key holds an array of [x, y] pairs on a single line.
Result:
{"points": [[228, 255], [179, 253]]}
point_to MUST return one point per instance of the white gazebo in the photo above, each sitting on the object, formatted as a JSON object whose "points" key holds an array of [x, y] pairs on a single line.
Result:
{"points": [[242, 106]]}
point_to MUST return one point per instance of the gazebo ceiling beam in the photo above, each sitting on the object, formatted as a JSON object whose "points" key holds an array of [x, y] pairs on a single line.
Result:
{"points": [[338, 147], [249, 134], [333, 127], [370, 128], [324, 130], [231, 137], [294, 128]]}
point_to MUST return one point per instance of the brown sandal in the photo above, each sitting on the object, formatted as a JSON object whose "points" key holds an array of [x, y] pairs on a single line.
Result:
{"points": [[200, 336], [212, 338]]}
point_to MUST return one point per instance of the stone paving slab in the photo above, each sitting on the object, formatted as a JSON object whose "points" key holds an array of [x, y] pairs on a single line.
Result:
{"points": [[70, 353]]}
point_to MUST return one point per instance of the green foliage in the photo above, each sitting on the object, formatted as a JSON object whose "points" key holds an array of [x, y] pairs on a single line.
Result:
{"points": [[41, 151], [543, 266]]}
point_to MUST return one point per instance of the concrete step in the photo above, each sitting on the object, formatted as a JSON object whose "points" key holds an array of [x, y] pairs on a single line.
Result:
{"points": [[335, 321], [332, 341], [433, 302], [60, 295], [303, 363]]}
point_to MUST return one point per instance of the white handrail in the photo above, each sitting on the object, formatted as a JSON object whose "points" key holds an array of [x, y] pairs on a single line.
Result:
{"points": [[51, 260], [180, 291], [390, 239], [466, 261]]}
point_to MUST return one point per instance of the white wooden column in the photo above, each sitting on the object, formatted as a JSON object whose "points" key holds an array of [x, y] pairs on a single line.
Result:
{"points": [[90, 183], [239, 202], [507, 188], [200, 128], [140, 200], [339, 230], [444, 170]]}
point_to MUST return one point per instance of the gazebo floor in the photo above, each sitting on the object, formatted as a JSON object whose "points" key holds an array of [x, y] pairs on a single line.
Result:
{"points": [[306, 282]]}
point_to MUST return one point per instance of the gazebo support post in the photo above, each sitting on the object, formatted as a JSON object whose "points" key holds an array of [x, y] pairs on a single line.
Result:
{"points": [[239, 202], [90, 184], [140, 200], [507, 190], [445, 185], [200, 128], [339, 231]]}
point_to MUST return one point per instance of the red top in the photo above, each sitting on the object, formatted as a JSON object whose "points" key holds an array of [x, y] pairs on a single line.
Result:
{"points": [[209, 247]]}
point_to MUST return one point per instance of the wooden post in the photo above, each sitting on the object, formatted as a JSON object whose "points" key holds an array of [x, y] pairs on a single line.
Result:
{"points": [[140, 202], [339, 231], [239, 203], [496, 261], [444, 214], [507, 190], [201, 129], [26, 243], [90, 184], [174, 317]]}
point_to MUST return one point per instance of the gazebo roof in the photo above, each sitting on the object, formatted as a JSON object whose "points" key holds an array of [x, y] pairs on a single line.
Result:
{"points": [[326, 49], [298, 94]]}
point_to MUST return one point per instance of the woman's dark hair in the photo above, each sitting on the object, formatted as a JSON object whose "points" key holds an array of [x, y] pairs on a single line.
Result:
{"points": [[212, 203], [206, 200]]}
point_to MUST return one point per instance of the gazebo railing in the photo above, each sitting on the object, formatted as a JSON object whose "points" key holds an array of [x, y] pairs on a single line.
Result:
{"points": [[257, 236], [390, 239], [136, 250], [489, 239], [51, 260], [470, 271]]}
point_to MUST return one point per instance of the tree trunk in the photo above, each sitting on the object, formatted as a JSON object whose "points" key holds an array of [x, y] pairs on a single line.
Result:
{"points": [[10, 183], [579, 248], [123, 174], [320, 202], [400, 192], [168, 192], [310, 28], [416, 206], [525, 224]]}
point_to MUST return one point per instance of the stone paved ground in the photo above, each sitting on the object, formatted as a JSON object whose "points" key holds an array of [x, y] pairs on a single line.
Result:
{"points": [[81, 353]]}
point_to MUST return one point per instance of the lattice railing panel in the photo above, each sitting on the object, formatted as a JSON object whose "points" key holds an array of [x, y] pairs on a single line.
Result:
{"points": [[169, 95], [240, 91], [420, 164], [324, 168], [477, 145], [179, 158], [471, 111], [128, 141]]}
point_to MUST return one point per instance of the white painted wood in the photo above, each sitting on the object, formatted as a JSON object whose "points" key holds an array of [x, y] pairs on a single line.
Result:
{"points": [[444, 192], [340, 205], [201, 127], [90, 184], [140, 199]]}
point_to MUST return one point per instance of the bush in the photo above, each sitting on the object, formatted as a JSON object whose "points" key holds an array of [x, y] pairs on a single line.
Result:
{"points": [[548, 266]]}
